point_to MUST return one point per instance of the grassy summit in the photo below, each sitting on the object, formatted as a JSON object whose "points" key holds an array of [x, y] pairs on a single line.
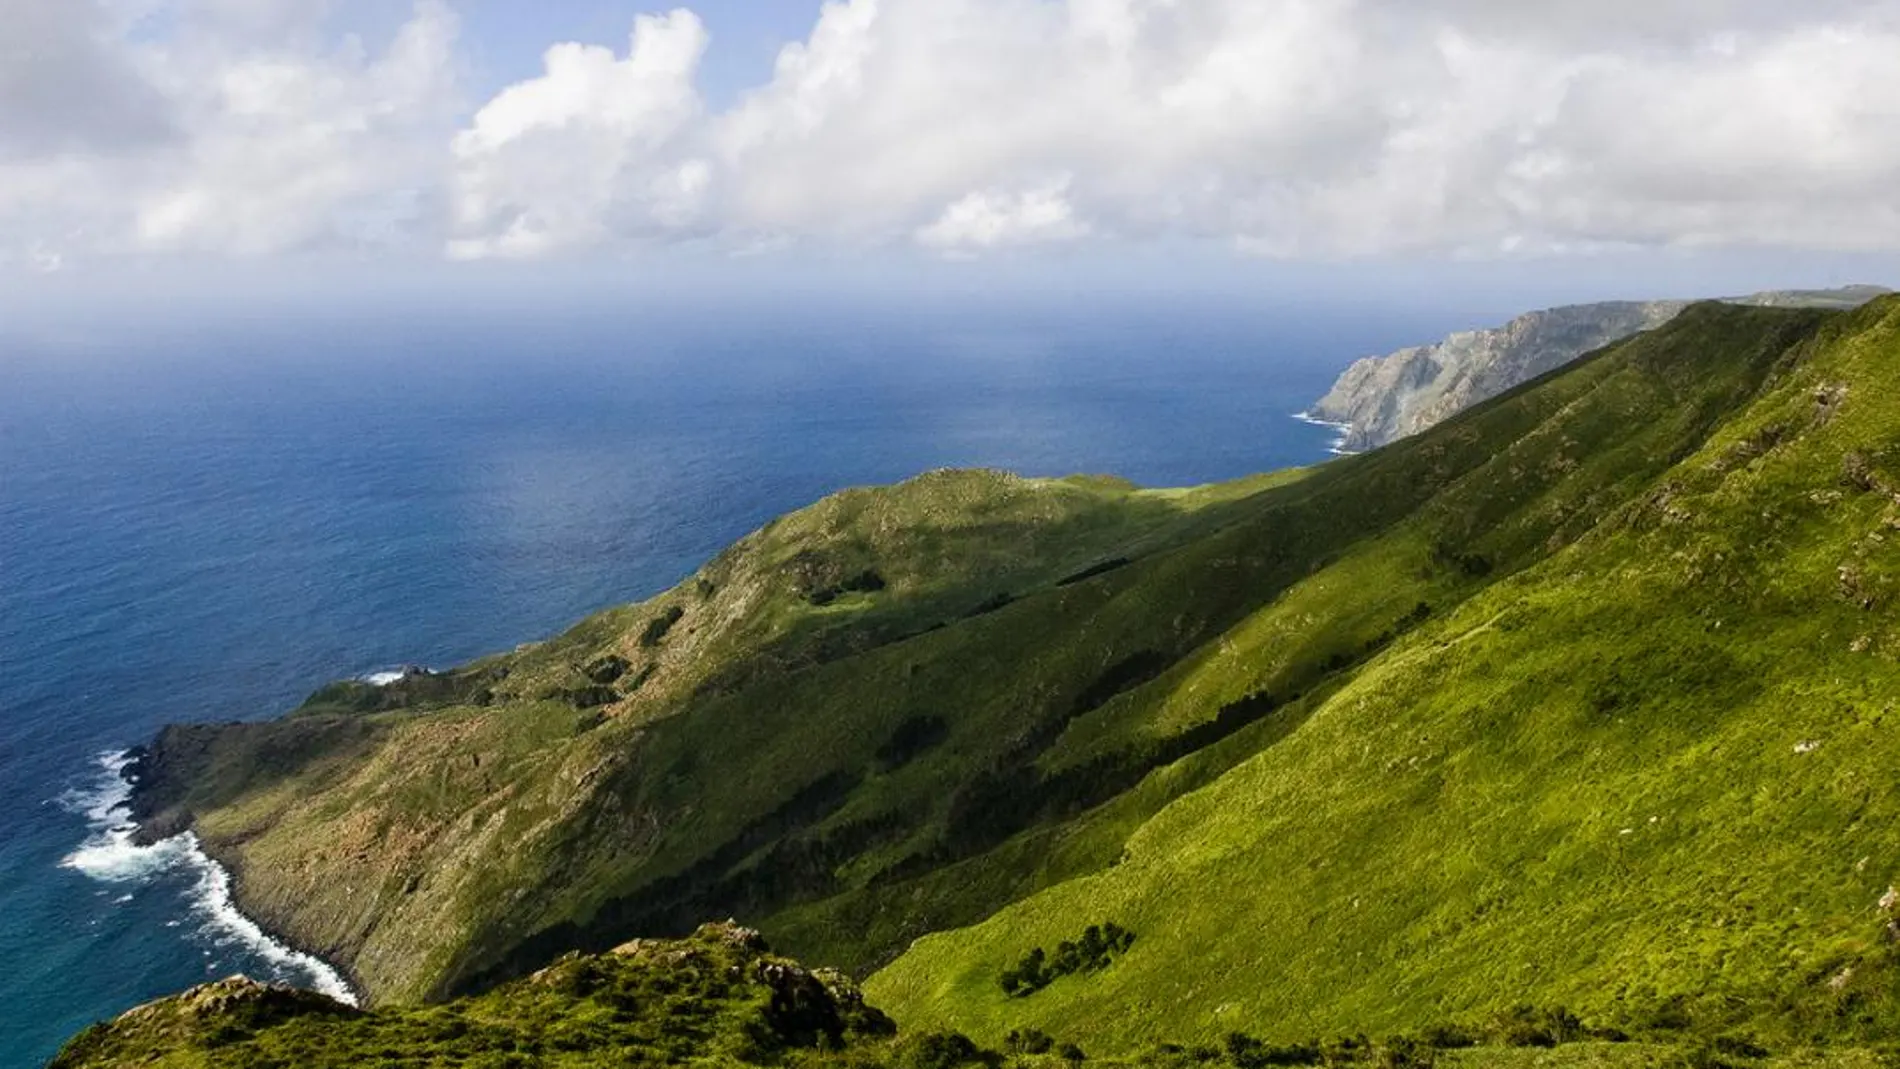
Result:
{"points": [[1577, 699]]}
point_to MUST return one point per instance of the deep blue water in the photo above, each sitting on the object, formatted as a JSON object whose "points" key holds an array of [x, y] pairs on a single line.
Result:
{"points": [[208, 523]]}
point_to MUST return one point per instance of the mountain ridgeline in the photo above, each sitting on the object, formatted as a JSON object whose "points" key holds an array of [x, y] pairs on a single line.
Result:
{"points": [[1575, 711], [1381, 399]]}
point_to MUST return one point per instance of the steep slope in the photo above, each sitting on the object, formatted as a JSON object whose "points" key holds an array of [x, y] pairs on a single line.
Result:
{"points": [[904, 709], [1382, 399], [1648, 777], [390, 828]]}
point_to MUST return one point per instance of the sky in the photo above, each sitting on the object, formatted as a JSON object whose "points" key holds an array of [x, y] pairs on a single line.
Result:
{"points": [[1591, 142]]}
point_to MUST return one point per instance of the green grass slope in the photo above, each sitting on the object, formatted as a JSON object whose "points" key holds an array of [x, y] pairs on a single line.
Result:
{"points": [[391, 828], [1205, 715], [1647, 776], [721, 998], [717, 998]]}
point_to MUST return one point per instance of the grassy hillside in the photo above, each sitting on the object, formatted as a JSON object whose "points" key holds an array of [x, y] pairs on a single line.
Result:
{"points": [[418, 833], [1374, 746], [721, 998], [717, 998], [1648, 777]]}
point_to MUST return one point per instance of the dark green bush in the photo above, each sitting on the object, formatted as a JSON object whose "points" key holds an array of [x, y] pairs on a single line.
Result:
{"points": [[1406, 1052], [1028, 1041], [939, 1050], [1096, 950], [1449, 1037], [657, 627], [1529, 1026]]}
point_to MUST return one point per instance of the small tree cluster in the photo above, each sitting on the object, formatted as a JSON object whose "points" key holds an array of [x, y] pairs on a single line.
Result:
{"points": [[1099, 946], [1531, 1026], [1028, 1041], [942, 1050], [1245, 1052]]}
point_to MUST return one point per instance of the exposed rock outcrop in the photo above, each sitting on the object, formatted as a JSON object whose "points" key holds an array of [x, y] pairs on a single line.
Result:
{"points": [[719, 997], [1384, 398]]}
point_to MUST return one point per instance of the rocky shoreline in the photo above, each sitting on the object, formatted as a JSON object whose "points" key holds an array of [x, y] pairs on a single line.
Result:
{"points": [[155, 810]]}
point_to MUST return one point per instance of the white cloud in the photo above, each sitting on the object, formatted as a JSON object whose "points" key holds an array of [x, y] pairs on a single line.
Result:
{"points": [[272, 141], [992, 220], [1296, 128], [586, 152], [293, 149]]}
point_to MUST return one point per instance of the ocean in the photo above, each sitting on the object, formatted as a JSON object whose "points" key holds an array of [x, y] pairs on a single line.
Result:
{"points": [[207, 522]]}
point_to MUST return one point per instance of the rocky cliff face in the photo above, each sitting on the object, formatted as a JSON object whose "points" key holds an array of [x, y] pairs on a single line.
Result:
{"points": [[1384, 398]]}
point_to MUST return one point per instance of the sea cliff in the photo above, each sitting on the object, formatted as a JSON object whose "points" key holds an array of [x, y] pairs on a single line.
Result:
{"points": [[1381, 399]]}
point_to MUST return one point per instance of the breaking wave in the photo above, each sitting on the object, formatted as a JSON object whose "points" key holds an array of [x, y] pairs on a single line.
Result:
{"points": [[1338, 446], [110, 855]]}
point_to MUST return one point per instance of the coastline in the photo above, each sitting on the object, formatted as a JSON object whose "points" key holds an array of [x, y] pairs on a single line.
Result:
{"points": [[119, 851], [1343, 430]]}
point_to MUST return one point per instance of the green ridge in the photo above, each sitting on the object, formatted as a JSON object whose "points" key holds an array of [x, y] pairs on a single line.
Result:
{"points": [[1352, 748], [1648, 777]]}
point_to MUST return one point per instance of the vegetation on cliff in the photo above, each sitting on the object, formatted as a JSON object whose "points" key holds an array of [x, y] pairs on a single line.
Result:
{"points": [[1644, 776], [1579, 699], [718, 997]]}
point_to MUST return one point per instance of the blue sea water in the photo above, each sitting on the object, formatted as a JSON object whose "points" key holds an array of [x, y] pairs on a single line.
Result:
{"points": [[208, 522]]}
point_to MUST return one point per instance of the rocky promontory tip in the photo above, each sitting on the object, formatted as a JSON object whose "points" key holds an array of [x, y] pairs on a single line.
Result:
{"points": [[1381, 399]]}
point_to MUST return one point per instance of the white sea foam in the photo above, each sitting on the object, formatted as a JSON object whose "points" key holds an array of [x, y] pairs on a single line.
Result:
{"points": [[110, 855], [227, 926], [1338, 446], [395, 675]]}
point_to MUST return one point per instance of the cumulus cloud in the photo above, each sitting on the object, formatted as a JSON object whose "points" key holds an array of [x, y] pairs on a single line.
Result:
{"points": [[261, 134], [1287, 128], [1292, 128], [989, 220], [588, 151], [301, 148]]}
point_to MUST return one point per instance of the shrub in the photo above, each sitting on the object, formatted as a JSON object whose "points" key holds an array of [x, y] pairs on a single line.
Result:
{"points": [[864, 582], [1528, 1026], [1096, 950], [1739, 1047], [1028, 1041], [1342, 1050], [1449, 1037], [607, 670], [1245, 1052], [1702, 1056], [1405, 1052], [939, 1050], [657, 627]]}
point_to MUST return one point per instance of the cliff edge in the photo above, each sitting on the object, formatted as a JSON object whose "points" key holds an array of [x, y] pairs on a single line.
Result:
{"points": [[1381, 399]]}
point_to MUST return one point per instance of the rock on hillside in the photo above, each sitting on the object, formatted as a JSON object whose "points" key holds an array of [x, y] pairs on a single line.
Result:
{"points": [[1384, 398], [719, 996]]}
